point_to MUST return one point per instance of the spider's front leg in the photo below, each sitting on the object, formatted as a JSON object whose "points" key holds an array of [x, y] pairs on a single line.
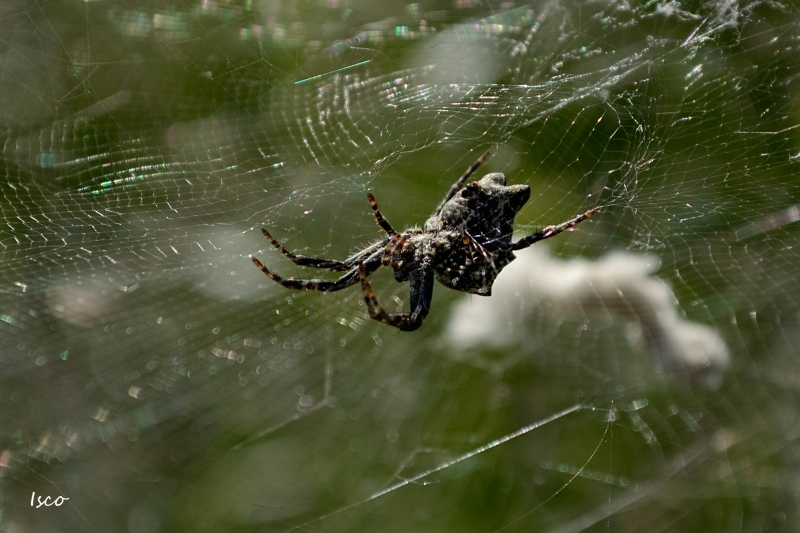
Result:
{"points": [[305, 260], [370, 265], [420, 304], [382, 222]]}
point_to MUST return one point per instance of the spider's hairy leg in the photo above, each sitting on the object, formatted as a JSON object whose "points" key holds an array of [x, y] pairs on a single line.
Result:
{"points": [[392, 249], [468, 247], [382, 222], [460, 181], [421, 293], [370, 265], [304, 260], [552, 231]]}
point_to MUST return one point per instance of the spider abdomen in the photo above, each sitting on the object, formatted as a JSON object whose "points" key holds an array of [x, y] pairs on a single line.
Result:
{"points": [[469, 270]]}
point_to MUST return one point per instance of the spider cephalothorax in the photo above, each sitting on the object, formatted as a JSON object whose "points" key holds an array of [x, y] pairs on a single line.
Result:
{"points": [[464, 245]]}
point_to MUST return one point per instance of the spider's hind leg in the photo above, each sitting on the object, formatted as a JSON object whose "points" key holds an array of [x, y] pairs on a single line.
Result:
{"points": [[461, 180], [304, 260], [552, 231]]}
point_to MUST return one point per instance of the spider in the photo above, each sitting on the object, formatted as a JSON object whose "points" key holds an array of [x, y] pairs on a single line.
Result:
{"points": [[464, 245]]}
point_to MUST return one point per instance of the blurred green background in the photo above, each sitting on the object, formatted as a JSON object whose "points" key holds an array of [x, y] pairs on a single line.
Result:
{"points": [[159, 381]]}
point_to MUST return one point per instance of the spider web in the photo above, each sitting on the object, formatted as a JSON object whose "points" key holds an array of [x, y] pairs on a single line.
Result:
{"points": [[636, 374]]}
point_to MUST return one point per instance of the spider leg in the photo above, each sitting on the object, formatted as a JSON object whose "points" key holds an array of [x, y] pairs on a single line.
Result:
{"points": [[392, 250], [468, 247], [382, 222], [371, 264], [552, 231], [421, 295], [304, 260], [460, 181]]}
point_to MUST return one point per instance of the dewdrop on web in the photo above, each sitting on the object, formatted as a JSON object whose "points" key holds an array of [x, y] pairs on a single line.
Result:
{"points": [[616, 287]]}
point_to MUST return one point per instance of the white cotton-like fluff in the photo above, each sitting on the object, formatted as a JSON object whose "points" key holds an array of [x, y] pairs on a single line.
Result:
{"points": [[618, 286]]}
